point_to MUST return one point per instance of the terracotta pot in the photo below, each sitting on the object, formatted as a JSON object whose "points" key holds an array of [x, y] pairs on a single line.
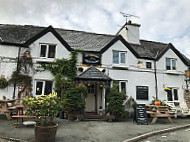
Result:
{"points": [[157, 103], [45, 134]]}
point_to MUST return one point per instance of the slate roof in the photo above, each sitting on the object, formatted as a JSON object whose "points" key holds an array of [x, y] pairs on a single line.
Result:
{"points": [[92, 73], [148, 49], [80, 40]]}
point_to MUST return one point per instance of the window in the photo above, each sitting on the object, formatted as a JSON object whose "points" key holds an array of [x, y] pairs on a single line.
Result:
{"points": [[47, 51], [142, 92], [119, 57], [172, 95], [43, 87], [170, 64], [91, 88], [148, 65], [122, 86]]}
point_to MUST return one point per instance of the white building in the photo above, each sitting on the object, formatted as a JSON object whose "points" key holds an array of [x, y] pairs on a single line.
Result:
{"points": [[143, 68]]}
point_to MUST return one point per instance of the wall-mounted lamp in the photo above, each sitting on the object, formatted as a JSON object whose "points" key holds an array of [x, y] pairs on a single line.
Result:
{"points": [[139, 64], [101, 86], [103, 70], [80, 69]]}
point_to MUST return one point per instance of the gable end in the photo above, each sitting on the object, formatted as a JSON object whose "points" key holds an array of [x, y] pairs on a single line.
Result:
{"points": [[45, 31]]}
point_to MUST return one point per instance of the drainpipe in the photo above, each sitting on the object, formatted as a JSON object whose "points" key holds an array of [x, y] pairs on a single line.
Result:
{"points": [[155, 75], [14, 90]]}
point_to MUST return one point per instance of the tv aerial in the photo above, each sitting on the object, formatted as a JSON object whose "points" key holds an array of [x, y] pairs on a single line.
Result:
{"points": [[128, 15]]}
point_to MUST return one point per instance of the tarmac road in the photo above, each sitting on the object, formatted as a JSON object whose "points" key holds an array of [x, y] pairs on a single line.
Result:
{"points": [[182, 135]]}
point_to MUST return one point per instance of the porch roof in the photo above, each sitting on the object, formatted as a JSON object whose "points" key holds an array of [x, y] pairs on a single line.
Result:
{"points": [[92, 73]]}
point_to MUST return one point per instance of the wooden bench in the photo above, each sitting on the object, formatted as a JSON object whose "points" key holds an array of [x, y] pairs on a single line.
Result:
{"points": [[17, 117], [161, 111], [6, 108]]}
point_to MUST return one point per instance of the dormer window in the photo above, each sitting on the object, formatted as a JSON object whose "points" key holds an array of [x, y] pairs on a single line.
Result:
{"points": [[170, 64], [119, 57], [47, 50]]}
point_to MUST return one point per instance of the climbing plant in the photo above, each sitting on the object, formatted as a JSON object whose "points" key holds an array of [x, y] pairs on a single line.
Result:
{"points": [[3, 82], [21, 76], [64, 72]]}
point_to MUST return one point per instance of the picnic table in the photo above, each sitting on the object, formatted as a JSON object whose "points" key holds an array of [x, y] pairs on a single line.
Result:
{"points": [[161, 111], [20, 114], [7, 106]]}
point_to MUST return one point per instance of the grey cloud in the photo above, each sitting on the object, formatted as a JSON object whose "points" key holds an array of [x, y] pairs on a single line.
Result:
{"points": [[165, 21]]}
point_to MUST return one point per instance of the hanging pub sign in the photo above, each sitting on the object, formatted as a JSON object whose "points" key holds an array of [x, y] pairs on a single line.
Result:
{"points": [[91, 58]]}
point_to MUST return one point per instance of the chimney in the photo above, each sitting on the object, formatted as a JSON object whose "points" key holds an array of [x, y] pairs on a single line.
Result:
{"points": [[130, 32]]}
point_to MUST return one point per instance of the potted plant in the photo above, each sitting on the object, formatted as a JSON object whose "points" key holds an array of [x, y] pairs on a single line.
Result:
{"points": [[45, 108]]}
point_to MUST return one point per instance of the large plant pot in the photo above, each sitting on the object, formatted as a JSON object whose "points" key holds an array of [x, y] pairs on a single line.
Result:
{"points": [[45, 134]]}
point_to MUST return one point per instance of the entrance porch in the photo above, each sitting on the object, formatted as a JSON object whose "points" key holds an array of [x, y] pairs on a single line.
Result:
{"points": [[96, 82]]}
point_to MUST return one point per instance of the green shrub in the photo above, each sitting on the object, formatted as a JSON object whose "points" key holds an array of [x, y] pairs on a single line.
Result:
{"points": [[74, 100], [115, 102]]}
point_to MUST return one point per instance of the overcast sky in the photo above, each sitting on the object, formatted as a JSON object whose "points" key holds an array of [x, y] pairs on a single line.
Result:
{"points": [[161, 20]]}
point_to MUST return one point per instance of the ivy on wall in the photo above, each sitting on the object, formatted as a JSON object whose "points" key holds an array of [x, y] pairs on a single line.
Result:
{"points": [[21, 76], [64, 72], [3, 82]]}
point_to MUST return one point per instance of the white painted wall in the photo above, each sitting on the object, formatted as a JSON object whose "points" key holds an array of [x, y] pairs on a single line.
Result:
{"points": [[8, 55], [166, 79], [61, 52], [143, 76]]}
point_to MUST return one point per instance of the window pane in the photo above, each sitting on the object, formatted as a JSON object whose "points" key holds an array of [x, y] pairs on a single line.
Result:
{"points": [[142, 92], [169, 95], [51, 53], [168, 67], [115, 57], [175, 94], [43, 51], [174, 64], [122, 57], [39, 86], [123, 87], [92, 88], [148, 65], [48, 87]]}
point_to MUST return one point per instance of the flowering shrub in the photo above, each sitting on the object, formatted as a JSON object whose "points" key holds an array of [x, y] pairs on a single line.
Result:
{"points": [[44, 107]]}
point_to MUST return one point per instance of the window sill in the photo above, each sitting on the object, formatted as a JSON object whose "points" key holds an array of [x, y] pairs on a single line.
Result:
{"points": [[45, 60], [173, 72], [123, 66]]}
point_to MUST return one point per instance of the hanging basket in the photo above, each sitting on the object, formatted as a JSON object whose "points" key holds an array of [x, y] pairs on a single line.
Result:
{"points": [[3, 83], [167, 89]]}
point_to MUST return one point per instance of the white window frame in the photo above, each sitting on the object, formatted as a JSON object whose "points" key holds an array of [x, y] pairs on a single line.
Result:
{"points": [[43, 85], [47, 50], [172, 88], [120, 52], [125, 81], [171, 66]]}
